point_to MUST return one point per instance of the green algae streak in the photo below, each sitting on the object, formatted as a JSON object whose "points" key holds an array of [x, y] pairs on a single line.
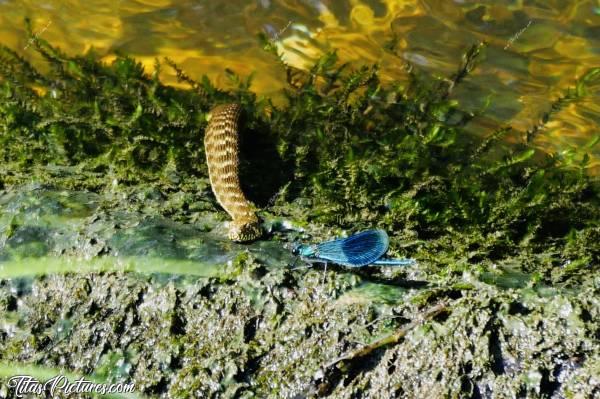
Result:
{"points": [[32, 267]]}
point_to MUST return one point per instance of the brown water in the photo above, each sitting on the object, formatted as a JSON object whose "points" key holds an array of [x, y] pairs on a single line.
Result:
{"points": [[537, 48]]}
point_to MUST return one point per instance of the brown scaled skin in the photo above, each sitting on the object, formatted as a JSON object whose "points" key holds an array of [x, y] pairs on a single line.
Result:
{"points": [[222, 156]]}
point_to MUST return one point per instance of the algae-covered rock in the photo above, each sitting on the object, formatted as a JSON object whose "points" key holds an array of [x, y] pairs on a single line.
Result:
{"points": [[256, 328], [270, 337]]}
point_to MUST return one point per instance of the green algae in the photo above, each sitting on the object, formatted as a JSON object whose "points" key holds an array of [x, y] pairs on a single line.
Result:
{"points": [[39, 266], [38, 224], [114, 261]]}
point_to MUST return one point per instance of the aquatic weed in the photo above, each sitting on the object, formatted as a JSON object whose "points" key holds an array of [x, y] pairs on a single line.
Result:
{"points": [[345, 150]]}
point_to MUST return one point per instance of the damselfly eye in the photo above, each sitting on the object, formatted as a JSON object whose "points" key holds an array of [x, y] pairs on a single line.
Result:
{"points": [[296, 249]]}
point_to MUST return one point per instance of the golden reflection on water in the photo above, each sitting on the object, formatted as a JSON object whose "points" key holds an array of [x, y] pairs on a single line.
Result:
{"points": [[537, 48]]}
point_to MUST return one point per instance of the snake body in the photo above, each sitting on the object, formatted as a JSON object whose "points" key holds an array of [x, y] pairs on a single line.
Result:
{"points": [[222, 156]]}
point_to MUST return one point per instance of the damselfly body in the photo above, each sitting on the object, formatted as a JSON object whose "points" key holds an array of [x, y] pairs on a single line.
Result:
{"points": [[362, 249]]}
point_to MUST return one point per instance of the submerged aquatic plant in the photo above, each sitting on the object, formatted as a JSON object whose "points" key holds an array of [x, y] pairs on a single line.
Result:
{"points": [[397, 157], [345, 150]]}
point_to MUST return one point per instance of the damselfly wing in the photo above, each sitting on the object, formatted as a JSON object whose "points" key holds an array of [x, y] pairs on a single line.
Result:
{"points": [[358, 250]]}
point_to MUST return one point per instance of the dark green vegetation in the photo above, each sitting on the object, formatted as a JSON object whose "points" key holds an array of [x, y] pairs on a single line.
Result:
{"points": [[506, 236]]}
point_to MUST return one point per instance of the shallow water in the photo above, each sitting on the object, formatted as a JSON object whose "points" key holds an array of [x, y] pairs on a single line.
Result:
{"points": [[537, 48], [46, 231]]}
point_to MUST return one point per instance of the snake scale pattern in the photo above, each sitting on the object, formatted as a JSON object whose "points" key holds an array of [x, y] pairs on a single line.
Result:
{"points": [[221, 144]]}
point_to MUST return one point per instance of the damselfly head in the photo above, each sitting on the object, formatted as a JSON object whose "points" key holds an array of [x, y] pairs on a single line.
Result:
{"points": [[296, 249]]}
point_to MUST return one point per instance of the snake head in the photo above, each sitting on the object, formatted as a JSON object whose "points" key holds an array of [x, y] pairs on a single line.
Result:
{"points": [[244, 231]]}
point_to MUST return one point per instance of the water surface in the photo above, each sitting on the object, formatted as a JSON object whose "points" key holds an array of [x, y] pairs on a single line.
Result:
{"points": [[537, 48]]}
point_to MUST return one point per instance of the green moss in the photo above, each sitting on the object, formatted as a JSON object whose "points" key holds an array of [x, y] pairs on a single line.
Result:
{"points": [[347, 151]]}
